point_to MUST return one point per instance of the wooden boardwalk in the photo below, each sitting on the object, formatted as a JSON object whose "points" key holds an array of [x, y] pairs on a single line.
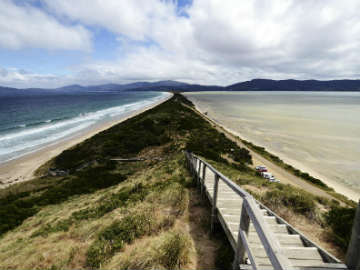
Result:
{"points": [[260, 238]]}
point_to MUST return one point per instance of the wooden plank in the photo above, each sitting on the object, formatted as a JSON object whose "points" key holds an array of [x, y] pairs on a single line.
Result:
{"points": [[275, 228], [227, 231], [230, 204], [250, 253], [326, 256], [284, 239], [203, 179], [270, 243], [337, 266], [299, 253], [232, 218], [233, 211], [270, 220], [242, 244], [214, 209]]}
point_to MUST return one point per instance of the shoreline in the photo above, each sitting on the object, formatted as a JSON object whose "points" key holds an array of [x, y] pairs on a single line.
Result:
{"points": [[338, 187], [22, 169]]}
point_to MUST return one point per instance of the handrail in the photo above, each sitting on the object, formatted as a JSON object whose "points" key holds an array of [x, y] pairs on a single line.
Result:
{"points": [[226, 180], [250, 211]]}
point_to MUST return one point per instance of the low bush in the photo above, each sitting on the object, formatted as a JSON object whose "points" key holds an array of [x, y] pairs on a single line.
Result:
{"points": [[340, 221], [119, 233], [299, 201], [174, 250], [14, 213]]}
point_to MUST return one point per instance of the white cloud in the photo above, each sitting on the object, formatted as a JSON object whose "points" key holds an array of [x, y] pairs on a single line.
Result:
{"points": [[219, 42], [131, 18], [24, 79], [28, 27]]}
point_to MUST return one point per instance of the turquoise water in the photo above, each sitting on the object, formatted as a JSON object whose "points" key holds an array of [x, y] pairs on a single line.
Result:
{"points": [[30, 121], [318, 132]]}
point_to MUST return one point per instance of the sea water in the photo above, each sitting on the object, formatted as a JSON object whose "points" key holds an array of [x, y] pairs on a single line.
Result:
{"points": [[315, 131], [29, 121]]}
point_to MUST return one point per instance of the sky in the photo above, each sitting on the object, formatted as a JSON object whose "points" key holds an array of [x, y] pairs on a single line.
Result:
{"points": [[52, 43]]}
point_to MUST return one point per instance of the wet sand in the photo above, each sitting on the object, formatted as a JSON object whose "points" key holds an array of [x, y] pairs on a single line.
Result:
{"points": [[23, 168], [279, 173]]}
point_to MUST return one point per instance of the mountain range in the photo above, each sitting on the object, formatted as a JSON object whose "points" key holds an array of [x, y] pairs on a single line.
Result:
{"points": [[253, 85]]}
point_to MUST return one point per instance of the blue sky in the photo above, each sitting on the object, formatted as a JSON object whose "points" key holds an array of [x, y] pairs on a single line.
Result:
{"points": [[51, 43]]}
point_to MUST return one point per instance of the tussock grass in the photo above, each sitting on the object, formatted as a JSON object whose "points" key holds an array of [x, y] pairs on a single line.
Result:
{"points": [[168, 250]]}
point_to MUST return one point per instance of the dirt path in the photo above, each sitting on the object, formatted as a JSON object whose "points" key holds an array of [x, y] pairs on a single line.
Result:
{"points": [[280, 173]]}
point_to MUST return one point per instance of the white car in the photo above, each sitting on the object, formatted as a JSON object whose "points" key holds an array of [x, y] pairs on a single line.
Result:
{"points": [[270, 177], [274, 180]]}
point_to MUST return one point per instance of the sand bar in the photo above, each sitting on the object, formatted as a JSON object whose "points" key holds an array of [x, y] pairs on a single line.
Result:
{"points": [[22, 169]]}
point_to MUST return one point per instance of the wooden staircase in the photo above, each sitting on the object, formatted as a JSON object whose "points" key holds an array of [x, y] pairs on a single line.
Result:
{"points": [[260, 238]]}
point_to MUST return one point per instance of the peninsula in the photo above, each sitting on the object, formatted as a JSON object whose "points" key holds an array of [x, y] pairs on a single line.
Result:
{"points": [[125, 199]]}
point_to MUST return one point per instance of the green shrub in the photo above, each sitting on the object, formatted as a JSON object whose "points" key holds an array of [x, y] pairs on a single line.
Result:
{"points": [[174, 250], [296, 199], [63, 225], [340, 220], [119, 233]]}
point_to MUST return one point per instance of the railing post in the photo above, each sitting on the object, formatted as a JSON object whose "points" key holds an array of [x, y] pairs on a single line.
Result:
{"points": [[213, 210], [193, 161], [203, 179], [240, 248], [195, 165], [187, 157], [198, 173], [353, 253]]}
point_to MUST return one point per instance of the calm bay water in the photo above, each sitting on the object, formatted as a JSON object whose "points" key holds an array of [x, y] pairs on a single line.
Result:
{"points": [[31, 121], [315, 131]]}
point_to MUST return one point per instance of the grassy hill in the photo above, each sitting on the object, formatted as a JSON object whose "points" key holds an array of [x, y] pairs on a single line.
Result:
{"points": [[143, 214]]}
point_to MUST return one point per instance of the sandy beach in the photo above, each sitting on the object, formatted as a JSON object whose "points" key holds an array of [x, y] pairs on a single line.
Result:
{"points": [[23, 168], [280, 173]]}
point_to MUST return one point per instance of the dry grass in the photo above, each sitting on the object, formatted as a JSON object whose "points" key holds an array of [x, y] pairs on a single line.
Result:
{"points": [[179, 237], [312, 229]]}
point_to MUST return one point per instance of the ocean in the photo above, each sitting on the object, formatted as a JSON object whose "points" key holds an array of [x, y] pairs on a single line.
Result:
{"points": [[29, 122], [317, 132]]}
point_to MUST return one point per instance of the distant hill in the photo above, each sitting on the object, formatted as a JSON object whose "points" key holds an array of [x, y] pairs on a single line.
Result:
{"points": [[253, 85], [295, 85]]}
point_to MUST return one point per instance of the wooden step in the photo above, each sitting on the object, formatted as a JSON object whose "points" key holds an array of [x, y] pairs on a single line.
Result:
{"points": [[275, 228], [312, 264], [236, 219], [270, 220], [299, 253], [285, 240], [230, 211], [229, 204], [232, 218]]}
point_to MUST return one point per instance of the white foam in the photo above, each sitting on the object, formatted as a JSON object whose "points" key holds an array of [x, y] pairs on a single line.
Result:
{"points": [[21, 142]]}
